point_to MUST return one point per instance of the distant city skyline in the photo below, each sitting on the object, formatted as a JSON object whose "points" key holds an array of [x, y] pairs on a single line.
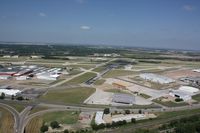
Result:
{"points": [[173, 24]]}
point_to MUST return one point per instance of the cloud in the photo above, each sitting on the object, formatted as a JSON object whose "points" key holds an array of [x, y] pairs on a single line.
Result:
{"points": [[85, 27], [188, 7], [41, 14]]}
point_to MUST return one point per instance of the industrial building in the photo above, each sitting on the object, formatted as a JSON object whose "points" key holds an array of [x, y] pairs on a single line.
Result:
{"points": [[47, 76], [10, 92], [99, 118], [5, 77], [184, 92], [156, 78], [22, 78], [189, 89], [180, 94], [123, 98], [25, 72]]}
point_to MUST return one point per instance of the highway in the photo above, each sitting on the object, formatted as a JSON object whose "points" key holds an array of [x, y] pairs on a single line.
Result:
{"points": [[21, 119]]}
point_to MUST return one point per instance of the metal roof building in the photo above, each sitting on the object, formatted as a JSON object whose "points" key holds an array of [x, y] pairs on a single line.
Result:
{"points": [[156, 78], [181, 94], [99, 118], [189, 89], [123, 98], [10, 92]]}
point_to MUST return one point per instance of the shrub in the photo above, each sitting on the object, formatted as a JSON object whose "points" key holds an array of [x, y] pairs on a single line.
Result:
{"points": [[54, 124], [44, 128]]}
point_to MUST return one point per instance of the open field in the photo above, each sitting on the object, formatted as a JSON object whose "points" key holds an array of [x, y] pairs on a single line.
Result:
{"points": [[116, 73], [81, 79], [99, 82], [145, 95], [176, 74], [85, 66], [63, 117], [170, 103], [34, 125], [162, 118], [99, 69], [116, 91], [72, 95], [18, 107], [196, 97], [6, 121]]}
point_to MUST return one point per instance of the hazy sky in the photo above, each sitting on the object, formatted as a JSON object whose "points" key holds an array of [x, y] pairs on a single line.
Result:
{"points": [[146, 23]]}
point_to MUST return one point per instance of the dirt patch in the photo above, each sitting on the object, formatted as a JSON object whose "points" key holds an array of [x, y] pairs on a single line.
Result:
{"points": [[176, 74]]}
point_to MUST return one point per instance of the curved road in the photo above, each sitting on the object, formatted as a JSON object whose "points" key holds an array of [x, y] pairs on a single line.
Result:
{"points": [[14, 113]]}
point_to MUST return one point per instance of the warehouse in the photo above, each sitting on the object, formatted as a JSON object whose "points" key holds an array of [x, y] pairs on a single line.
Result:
{"points": [[5, 77], [48, 76], [99, 118], [123, 98], [10, 92], [22, 78], [181, 94], [156, 78], [189, 89]]}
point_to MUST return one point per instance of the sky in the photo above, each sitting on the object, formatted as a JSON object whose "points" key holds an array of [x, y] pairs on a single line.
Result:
{"points": [[142, 23]]}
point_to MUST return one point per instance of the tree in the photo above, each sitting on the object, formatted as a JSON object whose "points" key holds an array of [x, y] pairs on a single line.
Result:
{"points": [[12, 97], [44, 128], [2, 96], [54, 124], [140, 111], [106, 111], [133, 120], [20, 98], [127, 111], [66, 131]]}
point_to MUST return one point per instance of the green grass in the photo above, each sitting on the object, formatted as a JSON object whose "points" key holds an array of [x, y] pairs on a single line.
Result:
{"points": [[196, 97], [117, 91], [170, 103], [99, 69], [18, 107], [71, 96], [116, 73], [55, 82], [81, 79], [144, 95], [63, 117], [85, 66], [99, 82], [37, 109]]}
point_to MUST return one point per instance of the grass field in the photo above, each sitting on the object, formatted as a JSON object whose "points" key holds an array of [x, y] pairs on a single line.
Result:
{"points": [[81, 79], [18, 107], [116, 73], [129, 128], [72, 96], [99, 82], [34, 125], [85, 66], [99, 69], [116, 91], [144, 95], [63, 117], [6, 121], [196, 97], [170, 103]]}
